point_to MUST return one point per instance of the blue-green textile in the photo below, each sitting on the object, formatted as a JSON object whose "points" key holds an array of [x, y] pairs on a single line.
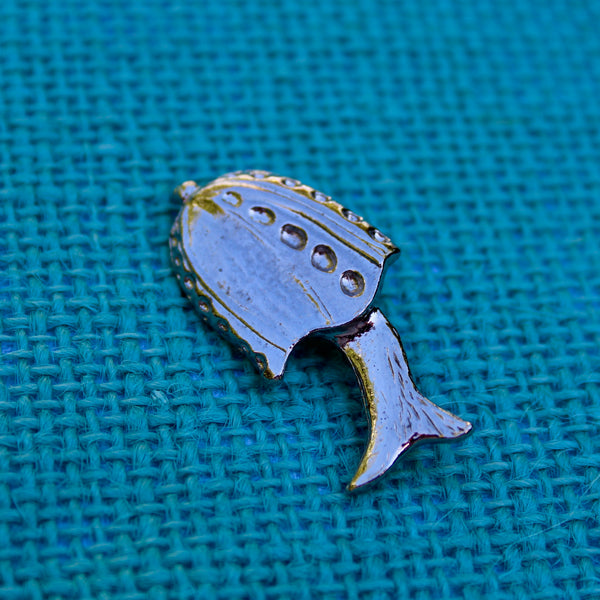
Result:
{"points": [[141, 457]]}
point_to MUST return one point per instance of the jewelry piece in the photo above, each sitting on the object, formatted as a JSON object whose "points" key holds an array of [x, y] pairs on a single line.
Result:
{"points": [[268, 261]]}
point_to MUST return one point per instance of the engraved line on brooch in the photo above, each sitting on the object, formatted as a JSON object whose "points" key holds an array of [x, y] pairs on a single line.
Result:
{"points": [[311, 193], [337, 237], [204, 304], [243, 321], [248, 226], [250, 184], [320, 305], [350, 216]]}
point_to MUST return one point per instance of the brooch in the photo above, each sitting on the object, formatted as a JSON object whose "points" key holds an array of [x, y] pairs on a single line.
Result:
{"points": [[267, 261]]}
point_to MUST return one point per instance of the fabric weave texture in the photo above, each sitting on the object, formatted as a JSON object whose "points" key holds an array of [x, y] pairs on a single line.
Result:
{"points": [[143, 457]]}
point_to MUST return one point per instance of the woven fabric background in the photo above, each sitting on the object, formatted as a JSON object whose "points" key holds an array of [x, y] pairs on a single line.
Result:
{"points": [[142, 457]]}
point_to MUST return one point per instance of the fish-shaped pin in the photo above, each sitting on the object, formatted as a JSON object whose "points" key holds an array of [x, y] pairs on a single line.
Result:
{"points": [[268, 261]]}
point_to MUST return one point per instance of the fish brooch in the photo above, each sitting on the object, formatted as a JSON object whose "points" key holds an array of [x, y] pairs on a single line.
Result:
{"points": [[268, 261]]}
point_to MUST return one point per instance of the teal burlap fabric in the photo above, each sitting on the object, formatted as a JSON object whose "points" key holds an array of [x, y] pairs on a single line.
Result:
{"points": [[142, 457]]}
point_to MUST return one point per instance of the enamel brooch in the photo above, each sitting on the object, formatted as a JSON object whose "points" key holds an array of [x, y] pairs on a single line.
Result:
{"points": [[268, 261]]}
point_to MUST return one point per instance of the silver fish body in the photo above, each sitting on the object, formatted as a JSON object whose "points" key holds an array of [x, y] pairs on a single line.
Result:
{"points": [[269, 261]]}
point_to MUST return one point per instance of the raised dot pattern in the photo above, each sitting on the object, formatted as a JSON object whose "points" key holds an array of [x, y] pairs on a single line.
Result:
{"points": [[262, 215], [293, 236], [378, 236], [323, 258], [352, 283], [232, 198], [351, 216]]}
